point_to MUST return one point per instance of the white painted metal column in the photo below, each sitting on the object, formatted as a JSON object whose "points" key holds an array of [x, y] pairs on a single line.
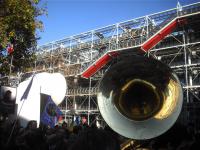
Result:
{"points": [[66, 109], [89, 99], [186, 68], [91, 47], [117, 39]]}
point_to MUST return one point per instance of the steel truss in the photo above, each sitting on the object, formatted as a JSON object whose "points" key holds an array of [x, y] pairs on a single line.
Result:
{"points": [[72, 55]]}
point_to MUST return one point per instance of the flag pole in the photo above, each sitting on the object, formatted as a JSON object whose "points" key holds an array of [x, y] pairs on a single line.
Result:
{"points": [[11, 62]]}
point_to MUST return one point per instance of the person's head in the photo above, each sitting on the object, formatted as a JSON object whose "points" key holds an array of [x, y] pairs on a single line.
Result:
{"points": [[7, 95], [31, 124], [64, 125], [77, 129]]}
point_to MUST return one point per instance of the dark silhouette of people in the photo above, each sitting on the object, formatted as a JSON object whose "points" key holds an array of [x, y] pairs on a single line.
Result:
{"points": [[95, 139], [7, 105]]}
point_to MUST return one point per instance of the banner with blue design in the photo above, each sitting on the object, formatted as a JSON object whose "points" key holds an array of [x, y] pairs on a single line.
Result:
{"points": [[50, 114]]}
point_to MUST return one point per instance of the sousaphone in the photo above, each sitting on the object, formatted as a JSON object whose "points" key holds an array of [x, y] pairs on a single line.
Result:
{"points": [[140, 97]]}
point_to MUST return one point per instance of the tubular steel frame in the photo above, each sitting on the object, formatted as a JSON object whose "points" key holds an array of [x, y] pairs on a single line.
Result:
{"points": [[72, 55]]}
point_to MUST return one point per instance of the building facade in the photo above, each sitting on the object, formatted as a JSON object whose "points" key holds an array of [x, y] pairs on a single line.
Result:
{"points": [[171, 36]]}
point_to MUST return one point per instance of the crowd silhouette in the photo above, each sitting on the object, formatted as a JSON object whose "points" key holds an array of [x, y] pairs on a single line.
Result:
{"points": [[61, 137], [84, 137]]}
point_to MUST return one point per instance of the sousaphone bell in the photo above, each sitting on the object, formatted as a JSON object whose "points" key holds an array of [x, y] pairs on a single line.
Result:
{"points": [[140, 97]]}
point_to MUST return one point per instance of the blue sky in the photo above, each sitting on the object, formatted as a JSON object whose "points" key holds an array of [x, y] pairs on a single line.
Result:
{"points": [[69, 17]]}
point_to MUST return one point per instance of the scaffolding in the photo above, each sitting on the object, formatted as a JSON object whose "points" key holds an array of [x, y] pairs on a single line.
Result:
{"points": [[171, 36]]}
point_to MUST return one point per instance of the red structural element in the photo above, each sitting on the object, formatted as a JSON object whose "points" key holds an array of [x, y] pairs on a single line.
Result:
{"points": [[99, 64], [155, 39], [151, 42]]}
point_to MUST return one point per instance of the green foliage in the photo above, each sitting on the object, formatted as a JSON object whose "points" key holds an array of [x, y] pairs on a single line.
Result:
{"points": [[18, 25]]}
